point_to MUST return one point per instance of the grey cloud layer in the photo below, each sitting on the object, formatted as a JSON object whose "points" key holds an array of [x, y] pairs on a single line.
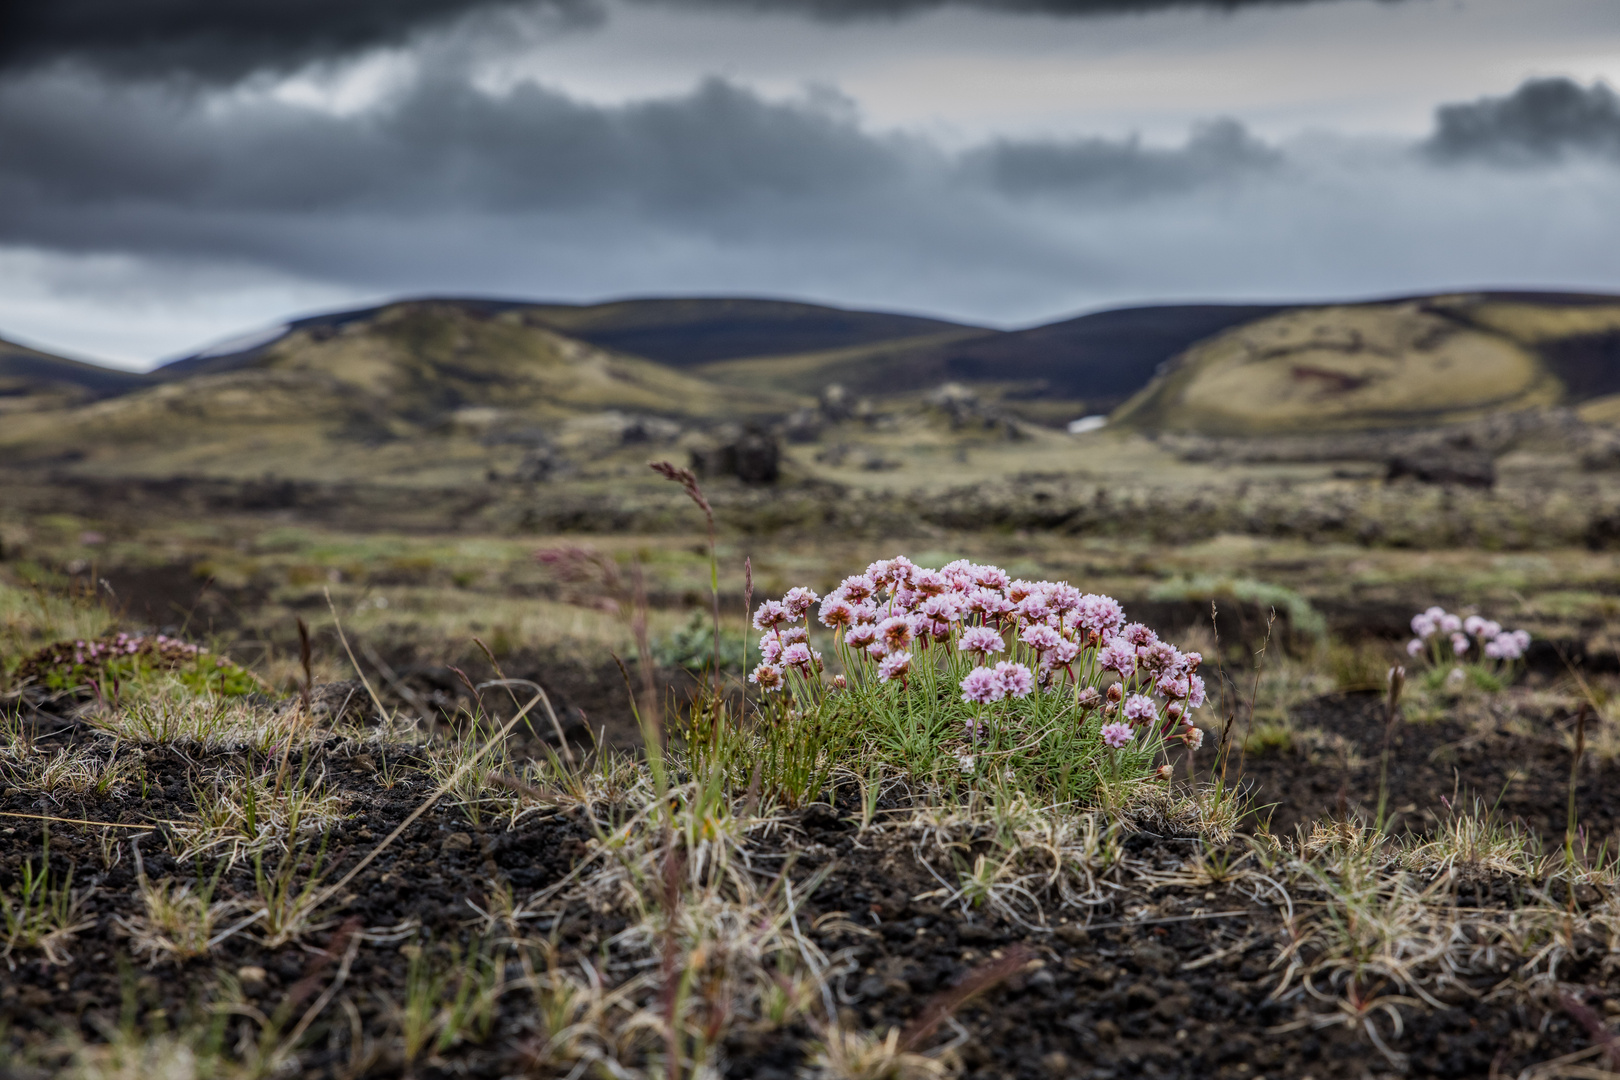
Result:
{"points": [[1544, 121], [446, 187]]}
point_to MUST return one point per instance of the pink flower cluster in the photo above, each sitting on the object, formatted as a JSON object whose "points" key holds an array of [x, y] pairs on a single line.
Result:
{"points": [[1022, 637], [99, 650], [1437, 628]]}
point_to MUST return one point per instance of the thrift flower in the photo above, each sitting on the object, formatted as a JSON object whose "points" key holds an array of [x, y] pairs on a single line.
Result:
{"points": [[798, 601], [861, 635], [1459, 643], [894, 666], [1139, 709], [857, 587], [1414, 646], [767, 677], [1137, 634], [770, 614], [895, 632], [980, 639], [1016, 680], [982, 686], [837, 613], [1116, 735], [1040, 637], [1119, 657]]}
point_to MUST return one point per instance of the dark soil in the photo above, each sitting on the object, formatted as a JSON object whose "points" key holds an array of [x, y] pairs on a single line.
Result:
{"points": [[1431, 764], [1187, 989]]}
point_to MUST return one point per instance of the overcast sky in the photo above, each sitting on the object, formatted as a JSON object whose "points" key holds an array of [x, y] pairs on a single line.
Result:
{"points": [[177, 171]]}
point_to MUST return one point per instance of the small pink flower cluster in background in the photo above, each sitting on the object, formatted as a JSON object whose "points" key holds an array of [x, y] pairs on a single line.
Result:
{"points": [[1437, 629], [100, 650], [1022, 638]]}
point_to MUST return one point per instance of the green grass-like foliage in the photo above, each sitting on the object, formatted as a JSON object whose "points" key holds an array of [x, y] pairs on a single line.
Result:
{"points": [[966, 677], [117, 661], [692, 647]]}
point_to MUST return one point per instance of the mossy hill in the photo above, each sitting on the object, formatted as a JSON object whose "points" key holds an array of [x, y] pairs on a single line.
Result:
{"points": [[1403, 364]]}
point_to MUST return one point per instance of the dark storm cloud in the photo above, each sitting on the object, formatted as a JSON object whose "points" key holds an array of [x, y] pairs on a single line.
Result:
{"points": [[1101, 168], [145, 167], [442, 145], [223, 40], [1543, 121], [218, 39]]}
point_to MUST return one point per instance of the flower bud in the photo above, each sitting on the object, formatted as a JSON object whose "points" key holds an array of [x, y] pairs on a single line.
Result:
{"points": [[1089, 698], [1166, 771], [840, 682], [1116, 692]]}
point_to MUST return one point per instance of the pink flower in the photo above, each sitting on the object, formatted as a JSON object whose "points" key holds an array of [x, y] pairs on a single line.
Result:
{"points": [[1064, 652], [877, 650], [1100, 614], [1139, 709], [798, 601], [894, 666], [792, 634], [895, 573], [959, 572], [1159, 658], [1423, 626], [1119, 657], [1040, 637], [1459, 643], [1116, 735], [1193, 737], [981, 685], [1034, 608], [801, 656], [988, 604], [1139, 635], [837, 613], [1174, 687], [1016, 680], [942, 608], [1063, 598], [767, 677], [857, 587], [770, 647], [1195, 692], [861, 635], [1414, 646], [1450, 623], [770, 614], [990, 577], [895, 632], [982, 640], [929, 582], [1473, 624]]}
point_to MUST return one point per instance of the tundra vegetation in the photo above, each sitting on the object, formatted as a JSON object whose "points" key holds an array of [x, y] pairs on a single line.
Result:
{"points": [[390, 804], [373, 726]]}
